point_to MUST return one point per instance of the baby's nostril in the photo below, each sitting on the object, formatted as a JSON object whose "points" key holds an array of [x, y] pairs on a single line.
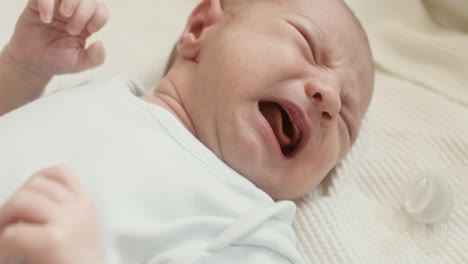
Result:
{"points": [[318, 96], [326, 116]]}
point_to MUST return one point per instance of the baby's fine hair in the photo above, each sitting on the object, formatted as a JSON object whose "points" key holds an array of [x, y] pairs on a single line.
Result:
{"points": [[234, 6]]}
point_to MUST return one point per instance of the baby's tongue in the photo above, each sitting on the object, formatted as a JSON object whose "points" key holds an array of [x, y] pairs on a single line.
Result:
{"points": [[272, 113]]}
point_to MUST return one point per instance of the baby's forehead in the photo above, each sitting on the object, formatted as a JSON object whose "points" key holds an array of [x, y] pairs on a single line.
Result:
{"points": [[335, 27], [332, 17], [330, 14], [335, 24]]}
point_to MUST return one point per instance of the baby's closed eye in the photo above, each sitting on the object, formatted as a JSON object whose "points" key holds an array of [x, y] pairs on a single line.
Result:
{"points": [[308, 45]]}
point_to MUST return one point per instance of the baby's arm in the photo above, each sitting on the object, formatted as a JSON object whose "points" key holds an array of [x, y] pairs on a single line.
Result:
{"points": [[50, 220], [49, 39]]}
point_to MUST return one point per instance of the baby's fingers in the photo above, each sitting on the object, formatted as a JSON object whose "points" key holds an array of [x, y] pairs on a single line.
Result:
{"points": [[91, 57], [63, 176], [26, 206], [83, 13], [46, 10], [21, 243], [99, 18], [67, 7]]}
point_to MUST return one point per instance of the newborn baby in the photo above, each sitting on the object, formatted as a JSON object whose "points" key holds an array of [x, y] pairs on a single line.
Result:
{"points": [[283, 85], [261, 100]]}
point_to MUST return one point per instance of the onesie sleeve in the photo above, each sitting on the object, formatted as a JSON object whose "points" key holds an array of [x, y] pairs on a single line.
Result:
{"points": [[263, 235], [242, 254], [271, 242]]}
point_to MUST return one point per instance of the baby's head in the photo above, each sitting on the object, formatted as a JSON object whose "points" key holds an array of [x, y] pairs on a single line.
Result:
{"points": [[275, 88]]}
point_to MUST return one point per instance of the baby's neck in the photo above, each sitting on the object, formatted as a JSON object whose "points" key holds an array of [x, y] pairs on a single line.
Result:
{"points": [[167, 96]]}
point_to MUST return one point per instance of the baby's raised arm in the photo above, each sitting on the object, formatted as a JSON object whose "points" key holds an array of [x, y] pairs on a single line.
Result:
{"points": [[50, 220], [49, 39]]}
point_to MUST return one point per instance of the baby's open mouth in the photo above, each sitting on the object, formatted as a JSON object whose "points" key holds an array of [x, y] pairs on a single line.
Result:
{"points": [[283, 124]]}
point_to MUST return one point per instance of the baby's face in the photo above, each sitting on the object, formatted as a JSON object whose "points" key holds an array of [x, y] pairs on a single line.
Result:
{"points": [[282, 89]]}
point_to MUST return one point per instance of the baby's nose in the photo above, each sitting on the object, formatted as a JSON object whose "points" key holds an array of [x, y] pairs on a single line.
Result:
{"points": [[325, 99]]}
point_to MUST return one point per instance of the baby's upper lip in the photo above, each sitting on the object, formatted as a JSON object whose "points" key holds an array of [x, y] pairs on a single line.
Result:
{"points": [[297, 116]]}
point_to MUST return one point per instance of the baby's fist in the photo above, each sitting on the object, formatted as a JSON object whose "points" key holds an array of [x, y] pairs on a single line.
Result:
{"points": [[50, 36], [77, 13], [50, 220]]}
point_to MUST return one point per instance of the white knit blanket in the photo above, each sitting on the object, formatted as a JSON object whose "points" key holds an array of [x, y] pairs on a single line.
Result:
{"points": [[417, 122]]}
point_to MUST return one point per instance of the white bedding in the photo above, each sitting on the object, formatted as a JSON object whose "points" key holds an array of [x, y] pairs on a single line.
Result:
{"points": [[418, 120]]}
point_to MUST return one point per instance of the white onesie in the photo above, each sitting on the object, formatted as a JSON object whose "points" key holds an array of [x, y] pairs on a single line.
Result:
{"points": [[162, 196]]}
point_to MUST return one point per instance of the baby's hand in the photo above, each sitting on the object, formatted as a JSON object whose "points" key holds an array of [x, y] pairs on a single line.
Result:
{"points": [[50, 220], [50, 36]]}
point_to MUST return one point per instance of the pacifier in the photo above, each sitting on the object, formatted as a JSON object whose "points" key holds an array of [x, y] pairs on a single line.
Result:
{"points": [[428, 198]]}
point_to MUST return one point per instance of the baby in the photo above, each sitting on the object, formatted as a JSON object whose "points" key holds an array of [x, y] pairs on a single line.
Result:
{"points": [[262, 98]]}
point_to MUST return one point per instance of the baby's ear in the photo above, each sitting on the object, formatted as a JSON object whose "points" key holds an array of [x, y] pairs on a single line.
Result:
{"points": [[205, 15]]}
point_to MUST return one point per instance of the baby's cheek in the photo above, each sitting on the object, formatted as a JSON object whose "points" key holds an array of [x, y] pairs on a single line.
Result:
{"points": [[261, 58]]}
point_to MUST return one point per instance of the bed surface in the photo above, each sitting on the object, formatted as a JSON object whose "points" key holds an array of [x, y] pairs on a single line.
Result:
{"points": [[417, 123]]}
